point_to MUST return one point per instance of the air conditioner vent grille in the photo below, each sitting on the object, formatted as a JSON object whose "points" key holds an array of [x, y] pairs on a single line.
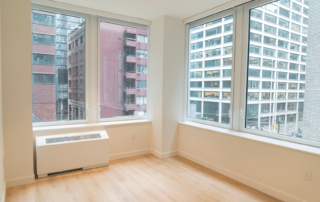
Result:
{"points": [[72, 138]]}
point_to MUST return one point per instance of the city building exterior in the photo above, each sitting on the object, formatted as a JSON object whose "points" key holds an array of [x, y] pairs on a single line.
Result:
{"points": [[276, 68], [123, 71], [210, 69], [76, 73], [50, 64]]}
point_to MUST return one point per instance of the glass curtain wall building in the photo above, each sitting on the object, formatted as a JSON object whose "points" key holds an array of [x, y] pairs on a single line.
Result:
{"points": [[277, 67]]}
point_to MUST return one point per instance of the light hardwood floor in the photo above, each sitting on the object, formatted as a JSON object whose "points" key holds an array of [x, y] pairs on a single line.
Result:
{"points": [[142, 178]]}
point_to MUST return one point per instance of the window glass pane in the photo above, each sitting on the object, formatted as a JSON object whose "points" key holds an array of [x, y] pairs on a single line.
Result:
{"points": [[216, 57], [270, 41], [284, 12], [270, 18], [255, 37], [198, 35], [194, 46], [283, 23], [123, 70], [278, 105], [256, 13], [58, 83]]}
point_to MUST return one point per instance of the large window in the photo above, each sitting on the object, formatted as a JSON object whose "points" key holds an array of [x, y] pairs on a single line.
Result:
{"points": [[276, 110], [217, 71], [123, 70], [58, 90]]}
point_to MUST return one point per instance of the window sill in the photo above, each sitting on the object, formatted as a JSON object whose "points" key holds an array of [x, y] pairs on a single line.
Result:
{"points": [[86, 125], [257, 138]]}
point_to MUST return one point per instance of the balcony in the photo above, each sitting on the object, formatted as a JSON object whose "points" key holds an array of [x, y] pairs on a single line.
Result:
{"points": [[136, 107], [130, 58], [130, 42]]}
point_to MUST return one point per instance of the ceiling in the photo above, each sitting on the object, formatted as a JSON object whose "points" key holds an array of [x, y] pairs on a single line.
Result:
{"points": [[149, 9]]}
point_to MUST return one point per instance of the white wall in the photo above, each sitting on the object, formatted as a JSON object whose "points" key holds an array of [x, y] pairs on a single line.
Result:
{"points": [[275, 170], [2, 180], [16, 91], [166, 74]]}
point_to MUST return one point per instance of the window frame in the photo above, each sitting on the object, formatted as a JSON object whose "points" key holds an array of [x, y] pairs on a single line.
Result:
{"points": [[87, 62], [129, 24], [187, 60], [240, 55]]}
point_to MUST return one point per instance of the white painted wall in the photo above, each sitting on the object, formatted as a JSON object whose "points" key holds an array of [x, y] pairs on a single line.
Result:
{"points": [[166, 74], [272, 169], [2, 180], [16, 91]]}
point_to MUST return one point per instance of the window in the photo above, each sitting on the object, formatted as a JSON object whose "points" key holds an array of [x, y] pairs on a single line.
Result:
{"points": [[295, 37], [295, 27], [212, 52], [120, 95], [283, 33], [213, 42], [284, 12], [227, 39], [196, 84], [305, 21], [213, 31], [282, 54], [254, 84], [142, 69], [270, 30], [270, 41], [211, 95], [294, 47], [196, 65], [272, 8], [196, 45], [198, 35], [293, 86], [212, 84], [219, 60], [266, 74], [268, 63], [254, 72], [304, 39], [305, 11], [256, 13], [296, 17], [269, 52], [296, 7], [283, 44], [282, 65], [227, 50], [294, 66], [52, 91], [142, 53], [142, 38], [285, 3], [270, 18], [255, 49], [228, 27], [255, 37], [254, 61], [212, 63], [282, 85], [197, 55], [266, 85], [303, 58], [283, 23], [256, 25], [304, 30], [294, 56]]}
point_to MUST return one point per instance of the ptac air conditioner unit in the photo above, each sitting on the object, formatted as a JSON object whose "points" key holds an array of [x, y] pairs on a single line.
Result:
{"points": [[63, 153]]}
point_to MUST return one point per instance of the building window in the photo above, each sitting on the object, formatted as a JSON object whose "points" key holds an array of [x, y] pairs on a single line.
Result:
{"points": [[142, 69], [197, 45], [52, 92], [270, 18], [142, 38], [142, 53], [214, 58]]}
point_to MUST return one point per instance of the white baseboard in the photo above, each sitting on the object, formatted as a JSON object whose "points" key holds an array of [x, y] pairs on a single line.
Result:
{"points": [[240, 178], [129, 154], [20, 181], [4, 192], [164, 154]]}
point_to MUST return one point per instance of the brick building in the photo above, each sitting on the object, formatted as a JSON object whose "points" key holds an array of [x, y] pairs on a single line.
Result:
{"points": [[123, 70]]}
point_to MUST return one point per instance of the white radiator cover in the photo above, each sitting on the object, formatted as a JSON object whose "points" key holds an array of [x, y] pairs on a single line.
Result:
{"points": [[71, 151]]}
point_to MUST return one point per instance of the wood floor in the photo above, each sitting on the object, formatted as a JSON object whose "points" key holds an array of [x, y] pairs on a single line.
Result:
{"points": [[142, 178]]}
